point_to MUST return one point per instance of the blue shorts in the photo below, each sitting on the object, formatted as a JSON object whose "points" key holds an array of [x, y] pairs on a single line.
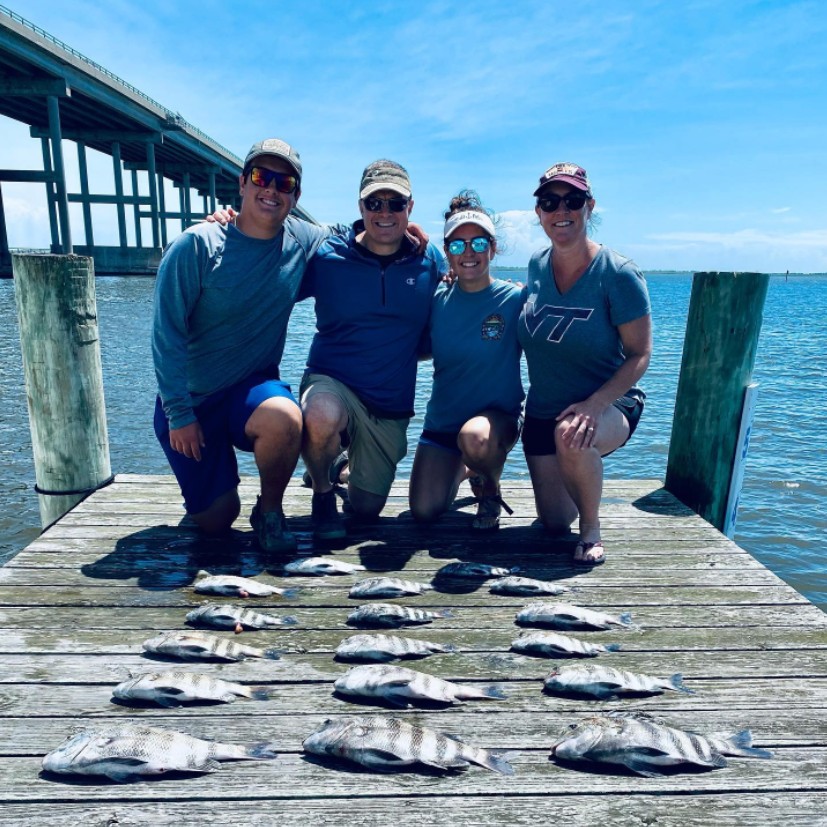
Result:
{"points": [[538, 434], [447, 440], [223, 417]]}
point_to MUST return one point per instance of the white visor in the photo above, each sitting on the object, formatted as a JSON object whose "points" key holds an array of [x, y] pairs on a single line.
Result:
{"points": [[468, 217]]}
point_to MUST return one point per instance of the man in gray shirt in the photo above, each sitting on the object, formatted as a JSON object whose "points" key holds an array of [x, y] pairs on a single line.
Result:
{"points": [[223, 298]]}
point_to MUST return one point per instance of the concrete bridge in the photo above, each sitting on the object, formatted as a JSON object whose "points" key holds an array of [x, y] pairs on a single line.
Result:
{"points": [[63, 96]]}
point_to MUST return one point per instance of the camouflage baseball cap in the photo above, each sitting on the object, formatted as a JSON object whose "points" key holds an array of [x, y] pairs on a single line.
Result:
{"points": [[278, 148], [385, 175], [566, 173]]}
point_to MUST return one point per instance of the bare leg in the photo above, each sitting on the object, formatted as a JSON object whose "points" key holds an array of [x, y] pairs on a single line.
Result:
{"points": [[485, 441], [275, 429], [555, 507], [325, 417], [435, 478], [221, 514]]}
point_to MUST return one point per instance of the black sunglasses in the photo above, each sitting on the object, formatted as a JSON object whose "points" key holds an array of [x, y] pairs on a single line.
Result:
{"points": [[572, 200], [374, 204], [282, 181]]}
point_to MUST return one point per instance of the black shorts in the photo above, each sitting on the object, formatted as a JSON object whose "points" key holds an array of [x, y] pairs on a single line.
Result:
{"points": [[538, 434]]}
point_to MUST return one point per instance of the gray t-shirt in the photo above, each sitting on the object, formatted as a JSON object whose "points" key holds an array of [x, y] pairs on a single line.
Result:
{"points": [[222, 303], [476, 354], [571, 341]]}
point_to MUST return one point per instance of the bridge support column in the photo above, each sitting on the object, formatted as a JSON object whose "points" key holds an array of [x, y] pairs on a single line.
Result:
{"points": [[118, 170], [84, 190], [60, 175], [50, 194], [5, 257], [152, 175], [136, 209], [162, 209]]}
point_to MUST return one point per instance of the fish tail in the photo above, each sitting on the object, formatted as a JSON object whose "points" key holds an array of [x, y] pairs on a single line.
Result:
{"points": [[445, 613], [272, 654], [288, 593], [515, 569], [676, 682], [740, 743], [449, 648], [495, 762], [259, 693], [626, 619], [262, 750], [612, 647], [290, 620], [493, 692]]}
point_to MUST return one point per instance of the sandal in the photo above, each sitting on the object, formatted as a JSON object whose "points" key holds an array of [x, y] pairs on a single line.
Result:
{"points": [[488, 512], [584, 548]]}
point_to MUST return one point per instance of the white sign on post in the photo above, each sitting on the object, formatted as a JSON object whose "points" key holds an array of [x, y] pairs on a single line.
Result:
{"points": [[736, 480]]}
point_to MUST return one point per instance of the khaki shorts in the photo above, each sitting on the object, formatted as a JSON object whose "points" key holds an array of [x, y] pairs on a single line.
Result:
{"points": [[376, 445]]}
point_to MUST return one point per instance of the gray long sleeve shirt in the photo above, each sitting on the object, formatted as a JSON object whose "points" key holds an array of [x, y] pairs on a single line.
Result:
{"points": [[222, 303]]}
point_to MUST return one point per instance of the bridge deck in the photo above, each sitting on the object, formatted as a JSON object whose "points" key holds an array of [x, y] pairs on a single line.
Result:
{"points": [[78, 602]]}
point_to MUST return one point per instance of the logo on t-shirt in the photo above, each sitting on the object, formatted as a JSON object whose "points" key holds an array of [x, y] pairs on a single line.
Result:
{"points": [[560, 318], [493, 328]]}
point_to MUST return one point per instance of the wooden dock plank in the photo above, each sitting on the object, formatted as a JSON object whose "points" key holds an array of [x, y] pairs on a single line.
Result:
{"points": [[76, 604]]}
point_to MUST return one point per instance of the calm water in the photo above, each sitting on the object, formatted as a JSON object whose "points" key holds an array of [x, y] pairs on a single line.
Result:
{"points": [[782, 513]]}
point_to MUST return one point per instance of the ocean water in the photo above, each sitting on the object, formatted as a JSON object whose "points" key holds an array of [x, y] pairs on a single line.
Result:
{"points": [[783, 508]]}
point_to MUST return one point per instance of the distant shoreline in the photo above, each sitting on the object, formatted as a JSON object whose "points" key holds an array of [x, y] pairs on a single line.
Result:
{"points": [[499, 269]]}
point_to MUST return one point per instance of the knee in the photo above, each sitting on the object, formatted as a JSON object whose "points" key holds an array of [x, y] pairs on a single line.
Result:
{"points": [[219, 517], [475, 447], [276, 418], [322, 415], [423, 513]]}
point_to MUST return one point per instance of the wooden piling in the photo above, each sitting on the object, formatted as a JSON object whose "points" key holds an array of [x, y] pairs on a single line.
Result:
{"points": [[722, 330], [64, 383]]}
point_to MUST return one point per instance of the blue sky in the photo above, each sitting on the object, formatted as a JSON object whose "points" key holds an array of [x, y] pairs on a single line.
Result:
{"points": [[701, 124]]}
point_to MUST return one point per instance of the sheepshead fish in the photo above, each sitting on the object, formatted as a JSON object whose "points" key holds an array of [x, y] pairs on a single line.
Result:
{"points": [[391, 615], [236, 618], [650, 748], [387, 587], [126, 753], [231, 586], [605, 682], [553, 645], [383, 744], [319, 566], [382, 648], [200, 646], [176, 688], [479, 570], [565, 616], [401, 687], [525, 586]]}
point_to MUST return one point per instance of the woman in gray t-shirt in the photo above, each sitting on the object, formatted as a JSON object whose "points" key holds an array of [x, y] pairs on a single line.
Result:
{"points": [[473, 416], [586, 331]]}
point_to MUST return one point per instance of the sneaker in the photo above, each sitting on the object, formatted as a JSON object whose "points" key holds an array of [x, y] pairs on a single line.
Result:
{"points": [[327, 522], [271, 529]]}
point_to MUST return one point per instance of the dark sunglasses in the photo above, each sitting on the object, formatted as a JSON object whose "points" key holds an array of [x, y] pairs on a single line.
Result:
{"points": [[572, 200], [374, 204], [479, 245], [282, 181]]}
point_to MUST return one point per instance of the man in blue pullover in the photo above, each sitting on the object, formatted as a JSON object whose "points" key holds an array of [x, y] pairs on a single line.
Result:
{"points": [[223, 297], [373, 296]]}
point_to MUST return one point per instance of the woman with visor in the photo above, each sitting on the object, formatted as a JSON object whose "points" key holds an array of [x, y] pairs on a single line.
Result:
{"points": [[586, 331], [473, 416]]}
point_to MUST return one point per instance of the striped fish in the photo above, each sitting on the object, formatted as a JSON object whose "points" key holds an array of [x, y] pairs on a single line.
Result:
{"points": [[391, 615], [649, 748], [231, 586], [401, 687], [236, 618], [318, 566], [381, 744], [387, 587], [381, 648], [200, 646], [525, 586], [127, 753], [553, 645], [604, 682], [565, 616], [175, 688], [480, 570]]}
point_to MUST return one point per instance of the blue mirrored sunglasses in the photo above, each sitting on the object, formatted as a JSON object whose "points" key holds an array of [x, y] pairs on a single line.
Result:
{"points": [[479, 245]]}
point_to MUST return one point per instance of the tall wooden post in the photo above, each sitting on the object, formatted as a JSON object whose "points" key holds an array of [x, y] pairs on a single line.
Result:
{"points": [[725, 313], [64, 383]]}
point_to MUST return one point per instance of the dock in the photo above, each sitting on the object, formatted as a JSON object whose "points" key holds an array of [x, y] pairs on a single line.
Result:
{"points": [[76, 605]]}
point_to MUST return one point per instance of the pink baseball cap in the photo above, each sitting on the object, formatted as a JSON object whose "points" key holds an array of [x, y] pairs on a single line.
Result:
{"points": [[566, 173]]}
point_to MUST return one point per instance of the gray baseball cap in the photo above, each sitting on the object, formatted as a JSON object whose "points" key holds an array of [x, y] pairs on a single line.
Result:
{"points": [[384, 175], [278, 148]]}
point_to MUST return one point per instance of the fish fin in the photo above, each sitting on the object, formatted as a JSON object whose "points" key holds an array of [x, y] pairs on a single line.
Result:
{"points": [[677, 683], [289, 620], [228, 698], [612, 647], [497, 763], [272, 654], [123, 770], [739, 744], [168, 698], [288, 593], [202, 573], [493, 692], [626, 619], [450, 649], [642, 767], [263, 750], [261, 694], [374, 757], [454, 764]]}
